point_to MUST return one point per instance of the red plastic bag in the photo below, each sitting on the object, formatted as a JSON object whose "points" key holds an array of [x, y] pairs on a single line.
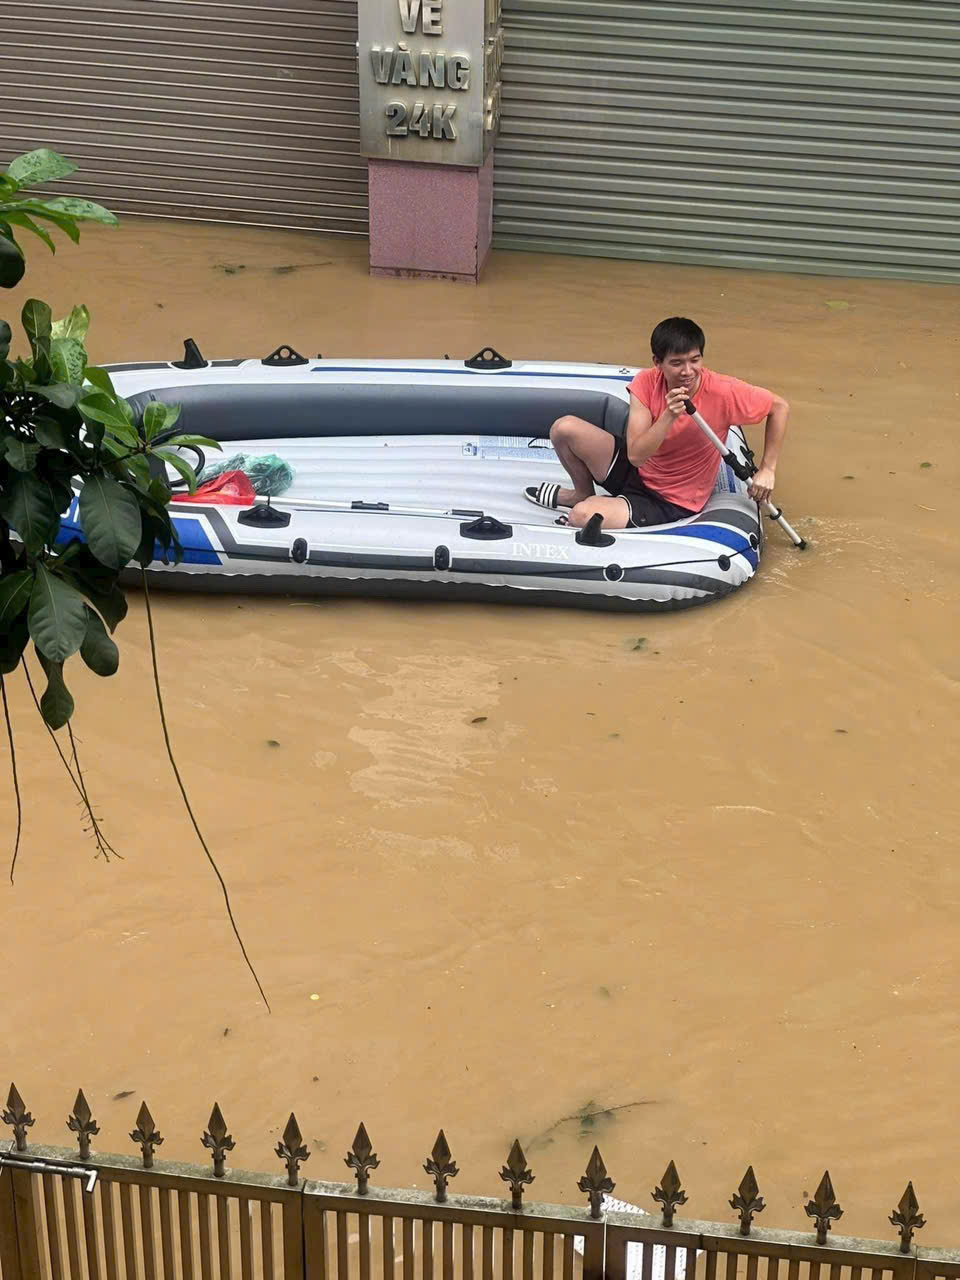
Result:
{"points": [[229, 489]]}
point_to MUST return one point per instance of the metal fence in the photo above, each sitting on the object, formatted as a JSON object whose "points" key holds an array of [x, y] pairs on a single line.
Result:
{"points": [[74, 1214]]}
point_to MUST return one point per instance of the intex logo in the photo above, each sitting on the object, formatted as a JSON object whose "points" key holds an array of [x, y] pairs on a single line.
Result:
{"points": [[541, 551]]}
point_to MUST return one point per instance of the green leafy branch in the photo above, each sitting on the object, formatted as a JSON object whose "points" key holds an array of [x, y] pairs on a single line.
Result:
{"points": [[63, 427], [67, 436], [65, 431], [19, 212]]}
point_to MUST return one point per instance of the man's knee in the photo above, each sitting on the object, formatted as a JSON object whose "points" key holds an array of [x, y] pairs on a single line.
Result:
{"points": [[566, 429], [610, 509]]}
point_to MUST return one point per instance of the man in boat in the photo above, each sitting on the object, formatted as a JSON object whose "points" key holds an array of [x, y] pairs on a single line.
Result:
{"points": [[664, 469]]}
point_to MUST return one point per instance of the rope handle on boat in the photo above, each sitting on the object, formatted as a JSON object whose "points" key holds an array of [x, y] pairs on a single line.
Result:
{"points": [[299, 552], [745, 470]]}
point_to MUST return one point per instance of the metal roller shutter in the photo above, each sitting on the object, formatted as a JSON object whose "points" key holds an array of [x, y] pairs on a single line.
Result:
{"points": [[224, 112], [794, 135]]}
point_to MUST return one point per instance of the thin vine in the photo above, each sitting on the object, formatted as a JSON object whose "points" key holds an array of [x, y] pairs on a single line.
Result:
{"points": [[16, 780], [183, 790]]}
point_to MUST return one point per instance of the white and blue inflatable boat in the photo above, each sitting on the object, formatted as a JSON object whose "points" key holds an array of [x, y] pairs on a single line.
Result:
{"points": [[409, 480]]}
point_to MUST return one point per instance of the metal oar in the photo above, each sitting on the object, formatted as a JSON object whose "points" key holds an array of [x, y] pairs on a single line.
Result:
{"points": [[385, 508], [745, 470]]}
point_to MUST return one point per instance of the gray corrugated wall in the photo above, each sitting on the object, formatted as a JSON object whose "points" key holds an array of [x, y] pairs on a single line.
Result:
{"points": [[795, 135], [230, 112]]}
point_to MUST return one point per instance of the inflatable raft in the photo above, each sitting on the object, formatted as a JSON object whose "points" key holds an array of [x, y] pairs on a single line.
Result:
{"points": [[409, 479]]}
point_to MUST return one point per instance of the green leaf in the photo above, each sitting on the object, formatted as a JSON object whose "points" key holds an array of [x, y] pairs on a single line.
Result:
{"points": [[98, 651], [29, 504], [57, 616], [100, 379], [66, 554], [127, 436], [11, 262], [155, 498], [178, 465], [114, 447], [147, 550], [159, 417], [111, 605], [157, 525], [75, 325], [107, 410], [62, 394], [159, 493], [97, 584], [140, 467], [68, 359], [39, 166], [21, 455], [37, 320], [84, 209], [15, 591], [6, 336], [85, 565], [56, 704], [50, 433], [66, 224], [110, 517], [58, 471], [203, 441], [24, 220], [13, 641]]}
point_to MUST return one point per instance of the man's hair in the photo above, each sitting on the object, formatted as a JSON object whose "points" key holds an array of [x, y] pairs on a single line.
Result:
{"points": [[675, 337]]}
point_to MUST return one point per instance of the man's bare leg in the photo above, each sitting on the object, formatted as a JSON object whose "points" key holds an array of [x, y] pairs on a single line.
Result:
{"points": [[586, 452], [616, 512]]}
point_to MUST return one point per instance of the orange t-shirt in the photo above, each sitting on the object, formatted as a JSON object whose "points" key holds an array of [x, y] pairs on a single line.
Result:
{"points": [[684, 468]]}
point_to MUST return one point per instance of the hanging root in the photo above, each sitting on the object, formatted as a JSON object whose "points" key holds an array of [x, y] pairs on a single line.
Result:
{"points": [[104, 847], [103, 844], [183, 791], [16, 780]]}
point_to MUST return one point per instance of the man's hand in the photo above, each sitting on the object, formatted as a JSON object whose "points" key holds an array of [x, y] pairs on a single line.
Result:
{"points": [[675, 401], [761, 485]]}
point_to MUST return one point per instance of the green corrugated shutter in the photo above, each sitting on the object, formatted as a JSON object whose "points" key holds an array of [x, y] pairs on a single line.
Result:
{"points": [[791, 135], [203, 109]]}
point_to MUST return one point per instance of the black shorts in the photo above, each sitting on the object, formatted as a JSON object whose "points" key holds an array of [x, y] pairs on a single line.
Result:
{"points": [[646, 506]]}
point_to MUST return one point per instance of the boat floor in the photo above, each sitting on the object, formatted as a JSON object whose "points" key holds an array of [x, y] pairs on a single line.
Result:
{"points": [[483, 473], [472, 472]]}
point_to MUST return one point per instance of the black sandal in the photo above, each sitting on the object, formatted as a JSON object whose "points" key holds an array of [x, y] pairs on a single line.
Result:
{"points": [[543, 495]]}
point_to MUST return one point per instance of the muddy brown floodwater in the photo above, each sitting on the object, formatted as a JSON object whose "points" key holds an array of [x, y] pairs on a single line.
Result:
{"points": [[711, 881]]}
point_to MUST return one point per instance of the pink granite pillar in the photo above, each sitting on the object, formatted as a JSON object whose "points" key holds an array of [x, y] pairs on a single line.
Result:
{"points": [[430, 220]]}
